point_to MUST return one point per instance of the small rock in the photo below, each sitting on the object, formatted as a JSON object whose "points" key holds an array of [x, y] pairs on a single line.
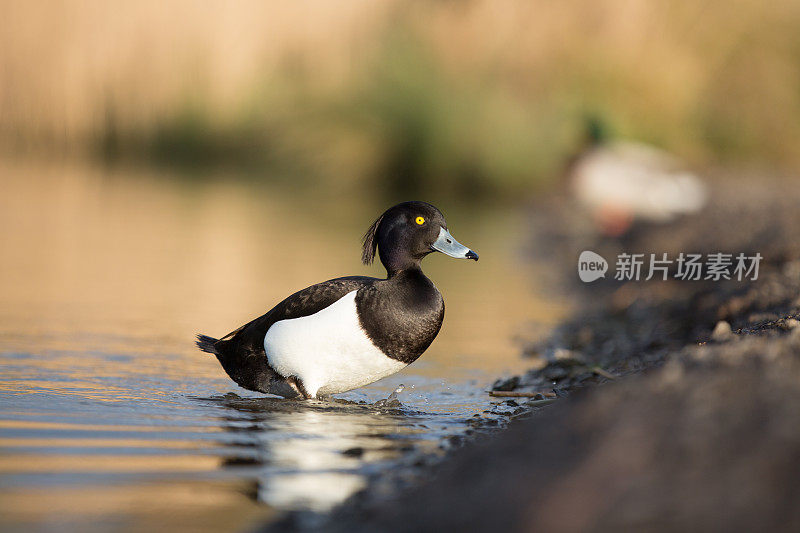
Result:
{"points": [[354, 452], [564, 356], [722, 332], [792, 323], [560, 354], [506, 385]]}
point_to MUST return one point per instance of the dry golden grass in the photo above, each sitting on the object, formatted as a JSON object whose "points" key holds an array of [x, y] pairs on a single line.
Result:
{"points": [[66, 64], [712, 80]]}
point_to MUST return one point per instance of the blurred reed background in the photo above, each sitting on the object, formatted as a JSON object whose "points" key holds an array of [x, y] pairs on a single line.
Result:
{"points": [[466, 97]]}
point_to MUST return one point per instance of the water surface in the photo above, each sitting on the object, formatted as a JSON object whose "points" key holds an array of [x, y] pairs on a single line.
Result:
{"points": [[110, 419]]}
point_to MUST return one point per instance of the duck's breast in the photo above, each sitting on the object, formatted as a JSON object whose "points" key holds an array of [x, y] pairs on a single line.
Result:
{"points": [[402, 316], [328, 351]]}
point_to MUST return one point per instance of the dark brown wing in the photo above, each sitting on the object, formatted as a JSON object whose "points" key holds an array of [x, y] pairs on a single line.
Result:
{"points": [[241, 352]]}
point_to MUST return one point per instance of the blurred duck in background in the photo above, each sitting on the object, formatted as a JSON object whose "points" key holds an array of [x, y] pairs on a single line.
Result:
{"points": [[622, 182]]}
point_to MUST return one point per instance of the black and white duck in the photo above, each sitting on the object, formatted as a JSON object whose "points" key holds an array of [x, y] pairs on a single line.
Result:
{"points": [[347, 332]]}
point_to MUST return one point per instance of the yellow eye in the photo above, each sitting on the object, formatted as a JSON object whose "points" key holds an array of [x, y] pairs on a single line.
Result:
{"points": [[420, 221]]}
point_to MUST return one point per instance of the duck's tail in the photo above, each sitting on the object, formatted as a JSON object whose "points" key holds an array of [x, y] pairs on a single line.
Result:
{"points": [[207, 344], [247, 366]]}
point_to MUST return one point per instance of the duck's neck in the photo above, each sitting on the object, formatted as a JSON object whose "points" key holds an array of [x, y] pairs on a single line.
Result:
{"points": [[412, 290], [398, 259], [409, 272]]}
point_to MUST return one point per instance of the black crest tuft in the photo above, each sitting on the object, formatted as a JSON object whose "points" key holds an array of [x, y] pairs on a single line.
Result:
{"points": [[370, 241]]}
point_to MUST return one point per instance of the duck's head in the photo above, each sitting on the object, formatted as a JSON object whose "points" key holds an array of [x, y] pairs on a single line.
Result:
{"points": [[406, 233]]}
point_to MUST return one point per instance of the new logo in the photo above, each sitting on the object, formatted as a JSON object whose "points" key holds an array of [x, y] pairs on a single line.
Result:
{"points": [[591, 266]]}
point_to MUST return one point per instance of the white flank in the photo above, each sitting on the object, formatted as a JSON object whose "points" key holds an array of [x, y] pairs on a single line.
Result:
{"points": [[328, 351], [638, 179]]}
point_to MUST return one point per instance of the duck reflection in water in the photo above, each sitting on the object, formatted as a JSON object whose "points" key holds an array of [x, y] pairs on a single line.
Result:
{"points": [[313, 454]]}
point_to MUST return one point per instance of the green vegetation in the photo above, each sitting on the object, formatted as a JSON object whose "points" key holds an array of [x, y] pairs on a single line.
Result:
{"points": [[482, 98]]}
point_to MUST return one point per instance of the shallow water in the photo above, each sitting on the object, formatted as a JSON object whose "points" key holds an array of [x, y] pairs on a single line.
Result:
{"points": [[110, 419]]}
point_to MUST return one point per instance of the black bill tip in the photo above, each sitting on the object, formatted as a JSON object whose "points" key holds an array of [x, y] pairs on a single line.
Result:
{"points": [[471, 255]]}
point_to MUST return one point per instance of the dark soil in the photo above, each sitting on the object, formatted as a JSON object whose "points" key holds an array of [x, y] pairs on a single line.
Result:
{"points": [[696, 425]]}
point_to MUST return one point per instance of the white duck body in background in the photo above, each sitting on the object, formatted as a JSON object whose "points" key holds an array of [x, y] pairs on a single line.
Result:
{"points": [[621, 182]]}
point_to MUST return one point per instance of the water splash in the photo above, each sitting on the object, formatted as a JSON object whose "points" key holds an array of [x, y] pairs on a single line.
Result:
{"points": [[391, 400]]}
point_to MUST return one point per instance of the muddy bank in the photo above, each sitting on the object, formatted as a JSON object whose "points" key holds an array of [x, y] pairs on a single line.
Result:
{"points": [[710, 442], [677, 403]]}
